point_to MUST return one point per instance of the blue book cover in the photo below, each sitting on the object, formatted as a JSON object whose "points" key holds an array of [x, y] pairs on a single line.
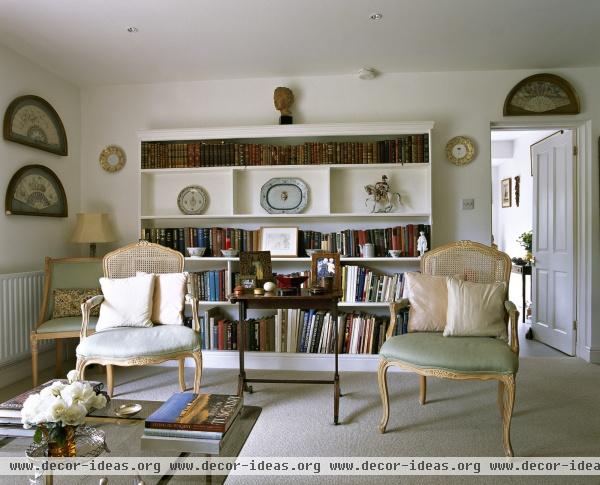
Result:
{"points": [[196, 412]]}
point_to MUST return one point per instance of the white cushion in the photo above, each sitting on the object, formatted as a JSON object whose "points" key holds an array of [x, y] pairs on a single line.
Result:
{"points": [[169, 298], [127, 302], [475, 309]]}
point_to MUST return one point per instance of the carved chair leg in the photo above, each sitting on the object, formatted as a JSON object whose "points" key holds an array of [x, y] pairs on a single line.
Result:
{"points": [[383, 392], [34, 358], [501, 397], [110, 383], [182, 374], [508, 404], [59, 358], [198, 371], [423, 389]]}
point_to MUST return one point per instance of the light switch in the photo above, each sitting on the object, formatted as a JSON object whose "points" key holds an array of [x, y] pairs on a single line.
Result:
{"points": [[468, 204]]}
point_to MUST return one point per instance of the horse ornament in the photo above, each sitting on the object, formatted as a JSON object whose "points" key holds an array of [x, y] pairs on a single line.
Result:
{"points": [[381, 198]]}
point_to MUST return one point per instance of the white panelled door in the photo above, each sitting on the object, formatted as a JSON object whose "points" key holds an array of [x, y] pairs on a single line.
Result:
{"points": [[553, 282]]}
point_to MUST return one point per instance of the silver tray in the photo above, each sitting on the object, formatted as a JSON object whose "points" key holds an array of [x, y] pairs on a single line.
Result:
{"points": [[89, 442]]}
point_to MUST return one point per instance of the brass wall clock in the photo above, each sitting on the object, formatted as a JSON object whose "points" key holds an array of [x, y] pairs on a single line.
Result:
{"points": [[32, 121], [460, 150], [35, 190], [112, 158]]}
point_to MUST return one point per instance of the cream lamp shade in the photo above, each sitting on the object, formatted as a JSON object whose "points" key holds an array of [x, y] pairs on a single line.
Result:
{"points": [[93, 228]]}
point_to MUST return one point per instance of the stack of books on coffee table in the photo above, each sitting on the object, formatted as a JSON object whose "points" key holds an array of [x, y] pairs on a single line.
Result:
{"points": [[195, 423]]}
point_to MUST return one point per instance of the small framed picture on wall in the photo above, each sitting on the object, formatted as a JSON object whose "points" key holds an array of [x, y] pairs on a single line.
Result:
{"points": [[506, 192]]}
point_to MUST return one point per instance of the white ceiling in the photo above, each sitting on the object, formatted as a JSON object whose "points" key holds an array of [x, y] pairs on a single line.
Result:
{"points": [[86, 42]]}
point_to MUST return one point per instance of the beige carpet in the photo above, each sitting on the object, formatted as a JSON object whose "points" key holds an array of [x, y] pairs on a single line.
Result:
{"points": [[556, 414]]}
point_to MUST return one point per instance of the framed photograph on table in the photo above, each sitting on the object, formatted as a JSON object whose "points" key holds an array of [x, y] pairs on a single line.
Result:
{"points": [[506, 192], [256, 264], [326, 265], [280, 241]]}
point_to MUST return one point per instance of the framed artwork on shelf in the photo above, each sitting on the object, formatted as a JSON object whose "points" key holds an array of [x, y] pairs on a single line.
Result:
{"points": [[32, 121], [506, 192], [257, 264], [280, 241], [542, 94], [35, 190], [324, 266], [247, 281]]}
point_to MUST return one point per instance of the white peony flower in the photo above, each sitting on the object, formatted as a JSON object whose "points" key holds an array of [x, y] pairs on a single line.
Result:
{"points": [[57, 409], [72, 376], [53, 390], [73, 392], [74, 415], [99, 401]]}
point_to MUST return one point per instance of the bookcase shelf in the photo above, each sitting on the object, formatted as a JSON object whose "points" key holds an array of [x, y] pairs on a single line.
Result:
{"points": [[336, 203]]}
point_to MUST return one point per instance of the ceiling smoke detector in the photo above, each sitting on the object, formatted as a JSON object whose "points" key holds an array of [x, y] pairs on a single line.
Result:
{"points": [[375, 16], [367, 73], [132, 30]]}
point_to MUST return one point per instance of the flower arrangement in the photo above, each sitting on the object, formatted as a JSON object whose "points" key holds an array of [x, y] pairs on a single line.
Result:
{"points": [[59, 408]]}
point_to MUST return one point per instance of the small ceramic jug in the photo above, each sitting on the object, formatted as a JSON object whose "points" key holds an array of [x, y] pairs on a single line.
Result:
{"points": [[367, 250]]}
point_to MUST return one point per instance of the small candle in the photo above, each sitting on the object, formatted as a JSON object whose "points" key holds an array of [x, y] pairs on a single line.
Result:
{"points": [[227, 243]]}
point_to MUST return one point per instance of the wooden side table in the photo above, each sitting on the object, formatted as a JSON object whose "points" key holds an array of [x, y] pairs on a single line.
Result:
{"points": [[305, 301], [524, 271]]}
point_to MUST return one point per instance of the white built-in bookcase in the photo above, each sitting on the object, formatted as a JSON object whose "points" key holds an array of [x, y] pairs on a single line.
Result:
{"points": [[336, 202]]}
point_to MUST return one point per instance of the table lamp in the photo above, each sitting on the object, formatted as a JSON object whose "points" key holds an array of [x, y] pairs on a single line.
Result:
{"points": [[92, 229]]}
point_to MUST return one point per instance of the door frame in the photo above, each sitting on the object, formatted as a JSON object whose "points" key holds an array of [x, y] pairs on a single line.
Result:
{"points": [[582, 226]]}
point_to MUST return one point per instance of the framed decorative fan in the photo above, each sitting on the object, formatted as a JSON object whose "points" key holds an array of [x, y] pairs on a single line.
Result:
{"points": [[32, 121], [35, 190], [542, 94]]}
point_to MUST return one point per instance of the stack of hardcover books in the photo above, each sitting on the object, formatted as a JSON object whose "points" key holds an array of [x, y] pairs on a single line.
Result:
{"points": [[192, 422]]}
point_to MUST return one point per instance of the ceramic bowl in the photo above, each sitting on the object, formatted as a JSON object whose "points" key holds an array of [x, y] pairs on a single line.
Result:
{"points": [[229, 253], [196, 252], [395, 253], [284, 281]]}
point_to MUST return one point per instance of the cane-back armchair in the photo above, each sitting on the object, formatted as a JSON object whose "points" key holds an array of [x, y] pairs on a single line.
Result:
{"points": [[127, 346], [472, 358]]}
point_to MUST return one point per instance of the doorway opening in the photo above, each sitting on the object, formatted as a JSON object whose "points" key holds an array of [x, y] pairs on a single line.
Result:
{"points": [[524, 215]]}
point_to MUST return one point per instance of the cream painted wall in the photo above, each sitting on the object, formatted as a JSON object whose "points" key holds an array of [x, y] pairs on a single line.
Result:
{"points": [[26, 240], [460, 103]]}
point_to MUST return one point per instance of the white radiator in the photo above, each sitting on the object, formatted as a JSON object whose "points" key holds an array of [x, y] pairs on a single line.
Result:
{"points": [[20, 300]]}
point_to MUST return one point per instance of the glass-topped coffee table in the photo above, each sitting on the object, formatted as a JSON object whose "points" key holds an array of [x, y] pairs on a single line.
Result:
{"points": [[123, 439]]}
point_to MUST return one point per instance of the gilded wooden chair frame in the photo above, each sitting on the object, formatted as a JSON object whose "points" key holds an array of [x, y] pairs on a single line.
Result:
{"points": [[125, 262], [499, 266], [35, 337]]}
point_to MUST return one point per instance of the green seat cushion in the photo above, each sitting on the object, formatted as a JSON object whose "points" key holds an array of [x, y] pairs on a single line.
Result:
{"points": [[460, 354], [65, 324], [129, 342]]}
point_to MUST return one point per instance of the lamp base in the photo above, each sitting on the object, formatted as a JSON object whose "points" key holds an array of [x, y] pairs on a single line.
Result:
{"points": [[92, 250]]}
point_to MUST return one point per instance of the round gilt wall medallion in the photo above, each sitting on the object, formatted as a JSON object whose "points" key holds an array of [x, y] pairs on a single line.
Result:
{"points": [[460, 150], [113, 158]]}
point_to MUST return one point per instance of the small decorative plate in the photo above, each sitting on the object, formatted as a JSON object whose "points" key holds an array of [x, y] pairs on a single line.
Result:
{"points": [[127, 410], [192, 200], [460, 150], [284, 196], [112, 158]]}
